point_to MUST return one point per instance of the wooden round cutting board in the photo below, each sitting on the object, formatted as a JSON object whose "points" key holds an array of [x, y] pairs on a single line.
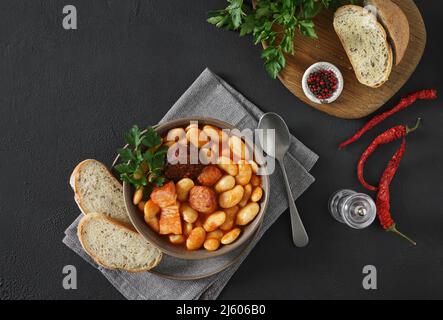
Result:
{"points": [[356, 100]]}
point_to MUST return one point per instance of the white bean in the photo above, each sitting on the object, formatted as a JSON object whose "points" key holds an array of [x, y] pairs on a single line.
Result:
{"points": [[247, 214], [231, 197], [225, 183]]}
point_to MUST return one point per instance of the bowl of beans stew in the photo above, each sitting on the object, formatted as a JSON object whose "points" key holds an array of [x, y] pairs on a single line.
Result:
{"points": [[214, 196]]}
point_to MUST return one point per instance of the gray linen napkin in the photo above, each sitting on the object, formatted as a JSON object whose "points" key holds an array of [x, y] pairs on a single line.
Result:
{"points": [[211, 96]]}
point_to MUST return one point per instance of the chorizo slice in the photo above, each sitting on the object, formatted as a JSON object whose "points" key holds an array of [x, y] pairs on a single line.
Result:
{"points": [[202, 199], [209, 176]]}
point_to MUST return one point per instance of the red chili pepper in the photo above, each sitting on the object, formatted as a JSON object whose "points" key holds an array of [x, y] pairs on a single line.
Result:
{"points": [[383, 196], [403, 104], [388, 136]]}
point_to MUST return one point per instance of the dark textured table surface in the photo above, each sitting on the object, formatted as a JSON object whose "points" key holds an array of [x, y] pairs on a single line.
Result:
{"points": [[69, 95]]}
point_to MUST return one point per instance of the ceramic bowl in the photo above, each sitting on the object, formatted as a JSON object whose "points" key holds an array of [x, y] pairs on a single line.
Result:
{"points": [[180, 251], [325, 66]]}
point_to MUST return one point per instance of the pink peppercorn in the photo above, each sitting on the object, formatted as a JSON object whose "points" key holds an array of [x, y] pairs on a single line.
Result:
{"points": [[322, 83]]}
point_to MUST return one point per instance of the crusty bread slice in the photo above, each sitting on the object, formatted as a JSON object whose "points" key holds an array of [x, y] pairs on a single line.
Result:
{"points": [[97, 190], [365, 43], [396, 24], [113, 245]]}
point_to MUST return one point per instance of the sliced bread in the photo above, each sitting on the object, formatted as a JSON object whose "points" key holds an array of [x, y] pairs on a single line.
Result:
{"points": [[113, 245], [365, 43], [396, 24], [97, 190]]}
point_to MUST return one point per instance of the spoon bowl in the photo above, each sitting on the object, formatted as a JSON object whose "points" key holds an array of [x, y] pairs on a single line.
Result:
{"points": [[275, 148]]}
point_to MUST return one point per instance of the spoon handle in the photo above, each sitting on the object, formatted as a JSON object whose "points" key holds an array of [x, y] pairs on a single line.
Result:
{"points": [[299, 235]]}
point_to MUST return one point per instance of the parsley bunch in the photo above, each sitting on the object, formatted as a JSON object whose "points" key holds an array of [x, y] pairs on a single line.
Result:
{"points": [[143, 160], [262, 22]]}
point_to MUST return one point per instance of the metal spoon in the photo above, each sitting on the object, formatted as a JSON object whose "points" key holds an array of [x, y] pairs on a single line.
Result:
{"points": [[278, 150]]}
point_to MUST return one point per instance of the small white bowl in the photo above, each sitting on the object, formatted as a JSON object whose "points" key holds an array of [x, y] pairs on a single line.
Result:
{"points": [[325, 66]]}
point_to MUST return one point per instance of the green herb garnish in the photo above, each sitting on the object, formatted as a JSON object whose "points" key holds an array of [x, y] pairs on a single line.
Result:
{"points": [[262, 20], [143, 160]]}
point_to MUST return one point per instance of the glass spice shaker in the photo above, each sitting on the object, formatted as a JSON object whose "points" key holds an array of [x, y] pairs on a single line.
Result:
{"points": [[357, 210]]}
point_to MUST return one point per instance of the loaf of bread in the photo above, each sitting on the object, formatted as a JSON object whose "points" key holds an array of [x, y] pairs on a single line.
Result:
{"points": [[396, 24], [97, 190], [114, 245], [365, 43]]}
